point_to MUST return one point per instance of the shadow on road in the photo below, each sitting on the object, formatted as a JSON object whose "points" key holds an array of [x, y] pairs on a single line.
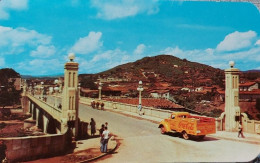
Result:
{"points": [[206, 139], [196, 139]]}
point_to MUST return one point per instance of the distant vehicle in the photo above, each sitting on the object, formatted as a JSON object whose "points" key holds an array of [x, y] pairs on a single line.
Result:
{"points": [[188, 125]]}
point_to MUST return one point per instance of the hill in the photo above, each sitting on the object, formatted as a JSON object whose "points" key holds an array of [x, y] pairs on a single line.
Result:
{"points": [[7, 73], [166, 68]]}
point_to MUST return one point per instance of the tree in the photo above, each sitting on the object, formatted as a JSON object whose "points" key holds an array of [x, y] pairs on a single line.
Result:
{"points": [[9, 96], [88, 82], [257, 104]]}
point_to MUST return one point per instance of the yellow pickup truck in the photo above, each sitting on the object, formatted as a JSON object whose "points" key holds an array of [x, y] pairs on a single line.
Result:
{"points": [[188, 125]]}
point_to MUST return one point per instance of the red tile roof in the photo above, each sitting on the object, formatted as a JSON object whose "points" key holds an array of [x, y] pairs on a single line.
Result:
{"points": [[253, 92], [248, 84], [149, 102]]}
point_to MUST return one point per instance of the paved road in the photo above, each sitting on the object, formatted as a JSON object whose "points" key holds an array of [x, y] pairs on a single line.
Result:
{"points": [[142, 142]]}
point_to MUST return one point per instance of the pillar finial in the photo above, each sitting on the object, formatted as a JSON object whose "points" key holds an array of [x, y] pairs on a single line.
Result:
{"points": [[231, 63], [71, 57]]}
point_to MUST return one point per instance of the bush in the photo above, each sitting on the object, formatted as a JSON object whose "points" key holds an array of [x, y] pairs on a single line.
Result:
{"points": [[257, 104], [258, 116]]}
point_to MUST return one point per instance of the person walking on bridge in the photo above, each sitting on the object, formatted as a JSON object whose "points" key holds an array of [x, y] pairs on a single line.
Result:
{"points": [[101, 137], [240, 130], [93, 127], [106, 136], [139, 109]]}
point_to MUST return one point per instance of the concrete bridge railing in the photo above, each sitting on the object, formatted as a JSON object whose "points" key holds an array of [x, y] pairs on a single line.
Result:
{"points": [[250, 126], [54, 112], [150, 111]]}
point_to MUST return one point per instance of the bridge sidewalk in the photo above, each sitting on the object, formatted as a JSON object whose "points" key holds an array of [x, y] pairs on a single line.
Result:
{"points": [[233, 136]]}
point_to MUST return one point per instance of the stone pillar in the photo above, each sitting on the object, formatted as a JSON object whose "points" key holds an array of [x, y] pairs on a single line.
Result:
{"points": [[37, 116], [30, 107], [70, 97], [45, 123], [232, 109], [34, 112]]}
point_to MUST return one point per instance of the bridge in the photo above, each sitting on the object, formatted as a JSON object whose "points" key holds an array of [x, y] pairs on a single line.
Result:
{"points": [[52, 119], [254, 2]]}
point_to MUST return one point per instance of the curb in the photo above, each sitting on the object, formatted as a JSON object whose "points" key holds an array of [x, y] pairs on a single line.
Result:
{"points": [[102, 155], [238, 140]]}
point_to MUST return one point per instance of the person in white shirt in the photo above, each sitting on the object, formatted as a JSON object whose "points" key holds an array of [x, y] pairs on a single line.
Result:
{"points": [[106, 136], [139, 109]]}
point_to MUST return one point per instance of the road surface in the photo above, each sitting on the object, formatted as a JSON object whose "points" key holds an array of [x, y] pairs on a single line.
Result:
{"points": [[141, 141]]}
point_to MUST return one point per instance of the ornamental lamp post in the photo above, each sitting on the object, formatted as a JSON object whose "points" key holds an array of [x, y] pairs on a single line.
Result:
{"points": [[140, 89], [99, 89], [42, 88], [56, 89]]}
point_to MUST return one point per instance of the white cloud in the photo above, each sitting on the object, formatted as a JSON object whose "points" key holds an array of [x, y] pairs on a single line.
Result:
{"points": [[105, 60], [41, 67], [43, 51], [7, 5], [247, 59], [139, 49], [115, 9], [88, 44], [237, 41], [13, 40], [257, 42]]}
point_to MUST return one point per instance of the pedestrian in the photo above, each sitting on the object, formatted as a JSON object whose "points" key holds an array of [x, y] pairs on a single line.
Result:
{"points": [[97, 105], [106, 136], [140, 109], [240, 130], [93, 127], [114, 106], [93, 104], [106, 124], [101, 137], [102, 106]]}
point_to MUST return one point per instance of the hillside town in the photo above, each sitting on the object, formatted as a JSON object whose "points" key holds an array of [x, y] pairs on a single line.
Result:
{"points": [[151, 91], [200, 90]]}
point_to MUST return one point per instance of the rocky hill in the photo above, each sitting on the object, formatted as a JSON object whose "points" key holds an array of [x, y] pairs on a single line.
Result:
{"points": [[166, 68]]}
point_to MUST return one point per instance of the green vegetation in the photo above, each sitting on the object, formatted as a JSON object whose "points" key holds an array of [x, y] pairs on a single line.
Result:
{"points": [[257, 104], [252, 75], [9, 96], [214, 113], [87, 81]]}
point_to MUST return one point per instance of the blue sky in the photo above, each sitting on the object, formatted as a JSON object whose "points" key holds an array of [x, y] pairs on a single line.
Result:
{"points": [[37, 35]]}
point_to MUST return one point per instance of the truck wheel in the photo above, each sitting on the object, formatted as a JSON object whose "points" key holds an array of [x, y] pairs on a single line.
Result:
{"points": [[185, 135], [163, 130]]}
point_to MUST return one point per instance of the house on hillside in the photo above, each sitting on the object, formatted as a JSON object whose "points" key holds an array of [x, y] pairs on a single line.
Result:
{"points": [[112, 79], [243, 95], [88, 93], [160, 93], [199, 89], [248, 86]]}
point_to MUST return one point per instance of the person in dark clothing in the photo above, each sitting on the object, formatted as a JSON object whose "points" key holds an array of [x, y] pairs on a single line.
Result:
{"points": [[93, 127], [240, 130]]}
